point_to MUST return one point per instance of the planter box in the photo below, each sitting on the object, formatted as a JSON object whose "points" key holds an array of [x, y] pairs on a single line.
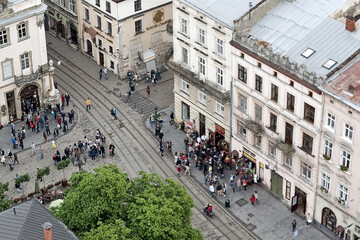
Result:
{"points": [[44, 190], [23, 198], [64, 182]]}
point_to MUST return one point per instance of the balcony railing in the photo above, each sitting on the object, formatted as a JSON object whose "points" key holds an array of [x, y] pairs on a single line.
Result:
{"points": [[206, 86], [23, 79], [254, 127], [287, 149]]}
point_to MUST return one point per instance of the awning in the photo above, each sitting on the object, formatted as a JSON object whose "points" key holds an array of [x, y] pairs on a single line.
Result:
{"points": [[235, 154]]}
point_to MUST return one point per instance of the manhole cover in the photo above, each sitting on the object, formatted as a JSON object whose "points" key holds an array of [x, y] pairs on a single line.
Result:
{"points": [[250, 215], [118, 84], [116, 89], [241, 202], [250, 227]]}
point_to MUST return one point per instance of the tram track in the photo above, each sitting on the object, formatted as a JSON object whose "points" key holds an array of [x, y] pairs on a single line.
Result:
{"points": [[139, 155]]}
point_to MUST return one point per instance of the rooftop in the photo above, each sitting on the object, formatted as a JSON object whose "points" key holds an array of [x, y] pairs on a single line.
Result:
{"points": [[224, 11], [24, 223], [307, 32]]}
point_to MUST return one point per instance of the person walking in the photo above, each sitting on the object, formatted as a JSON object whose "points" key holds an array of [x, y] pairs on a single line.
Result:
{"points": [[41, 153], [219, 189], [161, 149], [33, 149], [88, 104], [293, 225], [53, 143], [161, 135], [256, 197], [45, 136], [148, 90], [212, 190], [11, 163], [62, 101], [67, 98], [16, 159], [178, 168], [224, 187], [308, 220], [252, 199], [128, 93], [187, 169], [100, 73], [105, 73], [233, 185]]}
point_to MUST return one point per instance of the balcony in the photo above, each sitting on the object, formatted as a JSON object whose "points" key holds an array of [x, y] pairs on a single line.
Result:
{"points": [[24, 79], [254, 127], [287, 149], [206, 86]]}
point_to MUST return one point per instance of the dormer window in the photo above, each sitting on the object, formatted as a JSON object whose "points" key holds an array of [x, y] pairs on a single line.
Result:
{"points": [[308, 52], [329, 64], [351, 89]]}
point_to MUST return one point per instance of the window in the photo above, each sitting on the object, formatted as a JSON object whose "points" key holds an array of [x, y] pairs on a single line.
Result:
{"points": [[138, 26], [272, 149], [22, 30], [242, 102], [305, 170], [3, 37], [111, 49], [290, 103], [185, 87], [325, 181], [185, 112], [274, 92], [345, 159], [343, 192], [25, 61], [308, 52], [185, 55], [329, 64], [87, 15], [202, 66], [202, 97], [137, 5], [241, 129], [257, 141], [7, 69], [220, 108], [72, 5], [258, 112], [275, 74], [201, 36], [273, 122], [99, 22], [289, 129], [219, 46], [62, 2], [108, 7], [184, 26], [288, 161], [100, 42], [309, 113], [109, 28], [348, 131], [288, 190], [259, 64], [97, 3], [220, 76], [328, 146], [330, 121], [307, 143], [111, 64], [258, 83], [242, 73]]}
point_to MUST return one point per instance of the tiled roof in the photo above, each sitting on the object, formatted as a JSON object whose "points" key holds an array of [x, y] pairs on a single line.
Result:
{"points": [[26, 223]]}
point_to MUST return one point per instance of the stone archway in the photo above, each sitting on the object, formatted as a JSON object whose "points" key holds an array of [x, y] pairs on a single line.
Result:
{"points": [[328, 219], [30, 98]]}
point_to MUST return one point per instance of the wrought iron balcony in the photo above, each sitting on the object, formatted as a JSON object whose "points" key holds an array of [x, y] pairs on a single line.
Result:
{"points": [[23, 79], [206, 86]]}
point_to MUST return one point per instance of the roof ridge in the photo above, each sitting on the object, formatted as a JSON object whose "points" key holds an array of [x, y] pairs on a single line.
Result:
{"points": [[27, 215]]}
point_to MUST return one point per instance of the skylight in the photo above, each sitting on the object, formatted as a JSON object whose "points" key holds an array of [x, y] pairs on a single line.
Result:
{"points": [[329, 64], [308, 52]]}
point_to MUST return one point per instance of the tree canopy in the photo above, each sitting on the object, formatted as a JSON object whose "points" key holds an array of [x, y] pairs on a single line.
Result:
{"points": [[4, 204], [106, 205]]}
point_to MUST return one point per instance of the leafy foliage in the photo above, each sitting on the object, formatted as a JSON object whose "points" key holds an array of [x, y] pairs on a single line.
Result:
{"points": [[106, 206], [62, 165], [4, 204], [42, 172]]}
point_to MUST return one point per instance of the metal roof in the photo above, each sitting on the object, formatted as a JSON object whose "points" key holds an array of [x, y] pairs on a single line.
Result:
{"points": [[224, 11], [291, 28], [26, 223]]}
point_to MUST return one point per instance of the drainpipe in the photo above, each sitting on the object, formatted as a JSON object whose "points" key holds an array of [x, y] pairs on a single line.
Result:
{"points": [[231, 117]]}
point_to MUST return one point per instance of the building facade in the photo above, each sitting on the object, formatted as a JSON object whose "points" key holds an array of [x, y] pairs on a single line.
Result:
{"points": [[26, 76], [126, 35], [202, 65], [61, 20], [338, 201]]}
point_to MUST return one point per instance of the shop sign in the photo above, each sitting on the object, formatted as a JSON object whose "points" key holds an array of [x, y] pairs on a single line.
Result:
{"points": [[158, 24], [261, 165], [219, 129], [249, 154]]}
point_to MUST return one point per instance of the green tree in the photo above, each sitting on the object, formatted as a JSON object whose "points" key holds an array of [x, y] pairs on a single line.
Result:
{"points": [[4, 204], [105, 205], [62, 165], [41, 173], [22, 179]]}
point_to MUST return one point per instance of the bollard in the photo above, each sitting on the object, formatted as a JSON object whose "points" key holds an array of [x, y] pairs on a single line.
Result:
{"points": [[227, 203]]}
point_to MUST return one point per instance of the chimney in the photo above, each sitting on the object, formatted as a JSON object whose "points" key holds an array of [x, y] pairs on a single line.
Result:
{"points": [[14, 211], [350, 24], [47, 231]]}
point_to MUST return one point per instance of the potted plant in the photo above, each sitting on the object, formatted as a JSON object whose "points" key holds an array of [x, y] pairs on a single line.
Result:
{"points": [[323, 189], [50, 186], [31, 194], [57, 183], [21, 180], [326, 157], [61, 166], [16, 200], [341, 201], [41, 173], [344, 168]]}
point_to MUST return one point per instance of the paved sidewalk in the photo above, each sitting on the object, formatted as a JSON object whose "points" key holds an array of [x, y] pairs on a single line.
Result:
{"points": [[270, 219]]}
